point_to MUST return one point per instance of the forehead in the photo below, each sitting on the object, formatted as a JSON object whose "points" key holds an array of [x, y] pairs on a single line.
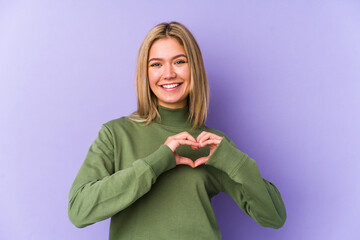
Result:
{"points": [[166, 47]]}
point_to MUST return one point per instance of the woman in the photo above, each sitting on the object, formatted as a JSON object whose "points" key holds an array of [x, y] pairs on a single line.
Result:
{"points": [[155, 172]]}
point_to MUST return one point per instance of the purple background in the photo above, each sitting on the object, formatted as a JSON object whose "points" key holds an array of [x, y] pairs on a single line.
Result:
{"points": [[285, 87]]}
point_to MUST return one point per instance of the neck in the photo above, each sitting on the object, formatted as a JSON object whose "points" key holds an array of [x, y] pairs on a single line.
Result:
{"points": [[176, 117]]}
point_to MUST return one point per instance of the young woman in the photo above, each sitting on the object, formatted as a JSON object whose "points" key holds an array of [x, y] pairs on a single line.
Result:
{"points": [[155, 172]]}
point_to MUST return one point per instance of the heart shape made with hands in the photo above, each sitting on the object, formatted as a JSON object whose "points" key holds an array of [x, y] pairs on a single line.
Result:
{"points": [[204, 139]]}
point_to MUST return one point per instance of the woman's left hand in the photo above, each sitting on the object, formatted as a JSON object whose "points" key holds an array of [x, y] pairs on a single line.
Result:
{"points": [[210, 139]]}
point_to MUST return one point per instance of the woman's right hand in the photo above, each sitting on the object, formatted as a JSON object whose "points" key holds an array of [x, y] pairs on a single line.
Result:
{"points": [[183, 138]]}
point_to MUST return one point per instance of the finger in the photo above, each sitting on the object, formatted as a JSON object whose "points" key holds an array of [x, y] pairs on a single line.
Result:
{"points": [[193, 147], [185, 161], [185, 138], [200, 136], [204, 137], [210, 142], [173, 144], [185, 135], [189, 137], [207, 136], [200, 161], [188, 142]]}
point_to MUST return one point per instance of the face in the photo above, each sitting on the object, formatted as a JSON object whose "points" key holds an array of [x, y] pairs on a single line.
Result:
{"points": [[169, 73]]}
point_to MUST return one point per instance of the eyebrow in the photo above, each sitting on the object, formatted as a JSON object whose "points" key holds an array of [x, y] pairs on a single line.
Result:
{"points": [[177, 56]]}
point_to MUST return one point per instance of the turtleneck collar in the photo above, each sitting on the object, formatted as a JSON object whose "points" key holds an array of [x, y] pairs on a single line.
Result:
{"points": [[174, 117]]}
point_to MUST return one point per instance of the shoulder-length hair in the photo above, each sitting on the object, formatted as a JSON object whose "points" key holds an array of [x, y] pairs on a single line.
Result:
{"points": [[198, 98]]}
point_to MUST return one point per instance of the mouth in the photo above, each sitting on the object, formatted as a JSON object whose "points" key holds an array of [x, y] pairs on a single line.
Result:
{"points": [[170, 86]]}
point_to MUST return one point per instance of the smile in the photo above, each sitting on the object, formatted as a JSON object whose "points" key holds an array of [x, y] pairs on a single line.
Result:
{"points": [[170, 86]]}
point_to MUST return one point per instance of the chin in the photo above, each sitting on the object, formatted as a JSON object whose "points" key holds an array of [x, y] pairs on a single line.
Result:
{"points": [[174, 103]]}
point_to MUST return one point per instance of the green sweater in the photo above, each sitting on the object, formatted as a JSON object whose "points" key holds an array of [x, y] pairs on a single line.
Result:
{"points": [[130, 175]]}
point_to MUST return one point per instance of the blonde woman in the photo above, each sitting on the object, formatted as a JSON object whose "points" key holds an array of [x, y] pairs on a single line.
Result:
{"points": [[155, 172]]}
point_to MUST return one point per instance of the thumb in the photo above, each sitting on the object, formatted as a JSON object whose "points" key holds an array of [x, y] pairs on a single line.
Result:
{"points": [[184, 161], [200, 161]]}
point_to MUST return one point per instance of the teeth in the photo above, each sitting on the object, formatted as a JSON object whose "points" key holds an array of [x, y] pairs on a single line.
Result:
{"points": [[170, 85]]}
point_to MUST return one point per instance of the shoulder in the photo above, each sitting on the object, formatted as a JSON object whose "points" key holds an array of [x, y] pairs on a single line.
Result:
{"points": [[119, 128], [121, 123]]}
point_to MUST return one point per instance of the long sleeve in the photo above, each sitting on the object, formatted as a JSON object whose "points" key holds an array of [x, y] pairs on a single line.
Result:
{"points": [[257, 197], [99, 193]]}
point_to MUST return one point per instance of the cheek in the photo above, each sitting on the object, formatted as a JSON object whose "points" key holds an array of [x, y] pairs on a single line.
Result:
{"points": [[153, 77], [186, 74]]}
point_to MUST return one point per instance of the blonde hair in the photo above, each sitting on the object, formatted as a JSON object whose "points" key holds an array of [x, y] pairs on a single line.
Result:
{"points": [[198, 99]]}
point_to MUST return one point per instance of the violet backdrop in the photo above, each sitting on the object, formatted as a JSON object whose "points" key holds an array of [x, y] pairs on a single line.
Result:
{"points": [[285, 87]]}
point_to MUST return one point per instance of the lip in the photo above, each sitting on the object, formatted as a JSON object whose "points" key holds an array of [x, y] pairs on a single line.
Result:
{"points": [[170, 83], [170, 89]]}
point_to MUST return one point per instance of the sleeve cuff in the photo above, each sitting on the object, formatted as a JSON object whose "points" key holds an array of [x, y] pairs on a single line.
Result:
{"points": [[161, 160], [227, 158]]}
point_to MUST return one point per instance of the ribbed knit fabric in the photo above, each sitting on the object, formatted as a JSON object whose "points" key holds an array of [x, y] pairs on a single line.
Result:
{"points": [[131, 176]]}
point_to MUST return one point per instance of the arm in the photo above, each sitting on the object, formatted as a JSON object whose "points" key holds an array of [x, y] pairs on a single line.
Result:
{"points": [[256, 196], [99, 193]]}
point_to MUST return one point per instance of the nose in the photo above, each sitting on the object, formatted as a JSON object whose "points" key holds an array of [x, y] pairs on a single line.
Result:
{"points": [[169, 72]]}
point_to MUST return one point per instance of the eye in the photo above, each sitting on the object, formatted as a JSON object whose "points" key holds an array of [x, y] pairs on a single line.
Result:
{"points": [[155, 65], [180, 62]]}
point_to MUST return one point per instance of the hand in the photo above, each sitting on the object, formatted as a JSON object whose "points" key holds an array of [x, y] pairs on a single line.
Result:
{"points": [[183, 138], [210, 139]]}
